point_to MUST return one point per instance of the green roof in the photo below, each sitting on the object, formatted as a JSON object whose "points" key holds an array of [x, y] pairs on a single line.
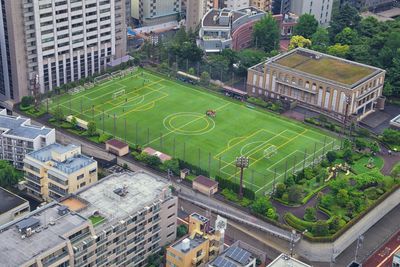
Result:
{"points": [[326, 67]]}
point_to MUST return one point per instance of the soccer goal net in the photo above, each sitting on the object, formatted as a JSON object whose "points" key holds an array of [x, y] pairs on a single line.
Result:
{"points": [[270, 151], [76, 90], [116, 74], [118, 93], [103, 77]]}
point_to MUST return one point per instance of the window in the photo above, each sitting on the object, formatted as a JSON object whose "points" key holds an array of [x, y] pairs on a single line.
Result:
{"points": [[80, 176]]}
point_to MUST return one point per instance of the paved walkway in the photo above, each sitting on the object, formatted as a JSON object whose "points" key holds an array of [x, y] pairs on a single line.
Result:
{"points": [[389, 160]]}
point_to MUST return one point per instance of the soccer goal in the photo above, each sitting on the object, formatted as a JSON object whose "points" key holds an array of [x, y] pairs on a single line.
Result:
{"points": [[102, 78], [118, 93], [270, 151]]}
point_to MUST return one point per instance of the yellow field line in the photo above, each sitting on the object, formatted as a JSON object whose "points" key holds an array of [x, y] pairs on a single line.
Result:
{"points": [[138, 108], [245, 138]]}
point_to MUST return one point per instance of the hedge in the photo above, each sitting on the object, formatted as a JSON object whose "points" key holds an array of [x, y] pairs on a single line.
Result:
{"points": [[195, 170], [297, 223], [228, 184]]}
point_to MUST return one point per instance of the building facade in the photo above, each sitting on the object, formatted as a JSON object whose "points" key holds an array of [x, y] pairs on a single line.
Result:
{"points": [[264, 5], [56, 42], [118, 221], [19, 137], [57, 170], [321, 9], [226, 28], [338, 88], [12, 206], [201, 245], [236, 4], [195, 10], [149, 12]]}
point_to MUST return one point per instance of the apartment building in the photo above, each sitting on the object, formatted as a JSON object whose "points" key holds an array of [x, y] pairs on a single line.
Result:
{"points": [[149, 12], [12, 206], [19, 137], [235, 4], [264, 5], [48, 43], [338, 88], [118, 221], [321, 9], [195, 10], [228, 28], [57, 170]]}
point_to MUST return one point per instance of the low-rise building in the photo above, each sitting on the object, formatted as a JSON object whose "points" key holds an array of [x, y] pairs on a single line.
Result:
{"points": [[201, 245], [338, 88], [205, 185], [284, 260], [19, 137], [117, 147], [239, 254], [226, 28], [11, 206], [118, 221], [57, 170]]}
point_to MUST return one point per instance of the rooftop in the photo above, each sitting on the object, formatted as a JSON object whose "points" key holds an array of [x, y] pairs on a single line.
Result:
{"points": [[325, 66], [190, 242], [116, 143], [15, 250], [284, 260], [69, 165], [9, 200], [205, 181], [220, 17], [20, 127], [121, 194], [234, 256]]}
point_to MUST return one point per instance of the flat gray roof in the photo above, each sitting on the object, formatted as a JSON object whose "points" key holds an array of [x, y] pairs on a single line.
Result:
{"points": [[208, 19], [68, 166], [142, 189], [15, 251], [196, 241], [9, 200], [284, 260], [18, 126]]}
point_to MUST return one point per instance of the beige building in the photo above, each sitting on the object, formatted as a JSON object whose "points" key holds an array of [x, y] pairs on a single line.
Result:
{"points": [[201, 245], [338, 88], [205, 185], [11, 206], [117, 147], [57, 170], [264, 5], [118, 221]]}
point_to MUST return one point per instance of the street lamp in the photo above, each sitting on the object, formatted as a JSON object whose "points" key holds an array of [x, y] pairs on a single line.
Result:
{"points": [[242, 163]]}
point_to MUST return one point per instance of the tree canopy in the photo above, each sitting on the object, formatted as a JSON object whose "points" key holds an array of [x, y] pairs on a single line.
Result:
{"points": [[306, 26], [266, 33]]}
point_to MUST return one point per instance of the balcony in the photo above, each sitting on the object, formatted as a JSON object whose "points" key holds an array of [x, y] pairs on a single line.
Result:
{"points": [[52, 260], [199, 258]]}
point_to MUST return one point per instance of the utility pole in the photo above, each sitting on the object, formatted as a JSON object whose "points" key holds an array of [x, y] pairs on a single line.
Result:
{"points": [[242, 163]]}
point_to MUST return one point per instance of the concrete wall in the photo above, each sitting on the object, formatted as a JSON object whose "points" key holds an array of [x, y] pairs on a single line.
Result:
{"points": [[324, 251]]}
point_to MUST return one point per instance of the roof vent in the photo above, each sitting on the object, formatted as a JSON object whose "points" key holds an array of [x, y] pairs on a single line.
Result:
{"points": [[186, 244]]}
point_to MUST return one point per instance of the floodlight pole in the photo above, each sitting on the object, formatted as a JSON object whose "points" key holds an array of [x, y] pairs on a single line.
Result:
{"points": [[242, 163]]}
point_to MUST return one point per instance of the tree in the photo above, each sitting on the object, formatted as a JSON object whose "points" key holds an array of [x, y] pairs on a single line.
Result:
{"points": [[279, 190], [58, 114], [299, 41], [181, 230], [266, 33], [347, 36], [8, 175], [339, 50], [261, 205], [320, 40], [331, 156], [247, 59], [347, 16], [391, 136], [334, 224], [310, 214], [342, 197], [172, 165], [360, 143], [295, 193], [91, 128], [205, 78], [320, 228], [306, 26], [396, 172], [191, 71]]}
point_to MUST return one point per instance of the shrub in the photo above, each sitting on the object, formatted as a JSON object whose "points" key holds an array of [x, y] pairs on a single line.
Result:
{"points": [[230, 195], [104, 137], [279, 190], [295, 194], [181, 230], [26, 101], [391, 136], [195, 170], [172, 165], [91, 128], [310, 214], [225, 183], [261, 206], [320, 228], [331, 156]]}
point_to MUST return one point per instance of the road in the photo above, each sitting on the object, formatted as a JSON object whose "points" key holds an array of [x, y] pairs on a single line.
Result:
{"points": [[384, 255]]}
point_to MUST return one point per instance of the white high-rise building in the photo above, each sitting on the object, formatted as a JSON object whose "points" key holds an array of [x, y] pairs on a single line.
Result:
{"points": [[321, 9], [58, 41]]}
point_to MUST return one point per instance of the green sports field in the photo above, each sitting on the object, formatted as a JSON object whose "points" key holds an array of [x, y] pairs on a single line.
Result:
{"points": [[170, 116]]}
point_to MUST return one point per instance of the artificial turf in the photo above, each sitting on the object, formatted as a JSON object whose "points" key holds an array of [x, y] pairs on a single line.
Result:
{"points": [[170, 116]]}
